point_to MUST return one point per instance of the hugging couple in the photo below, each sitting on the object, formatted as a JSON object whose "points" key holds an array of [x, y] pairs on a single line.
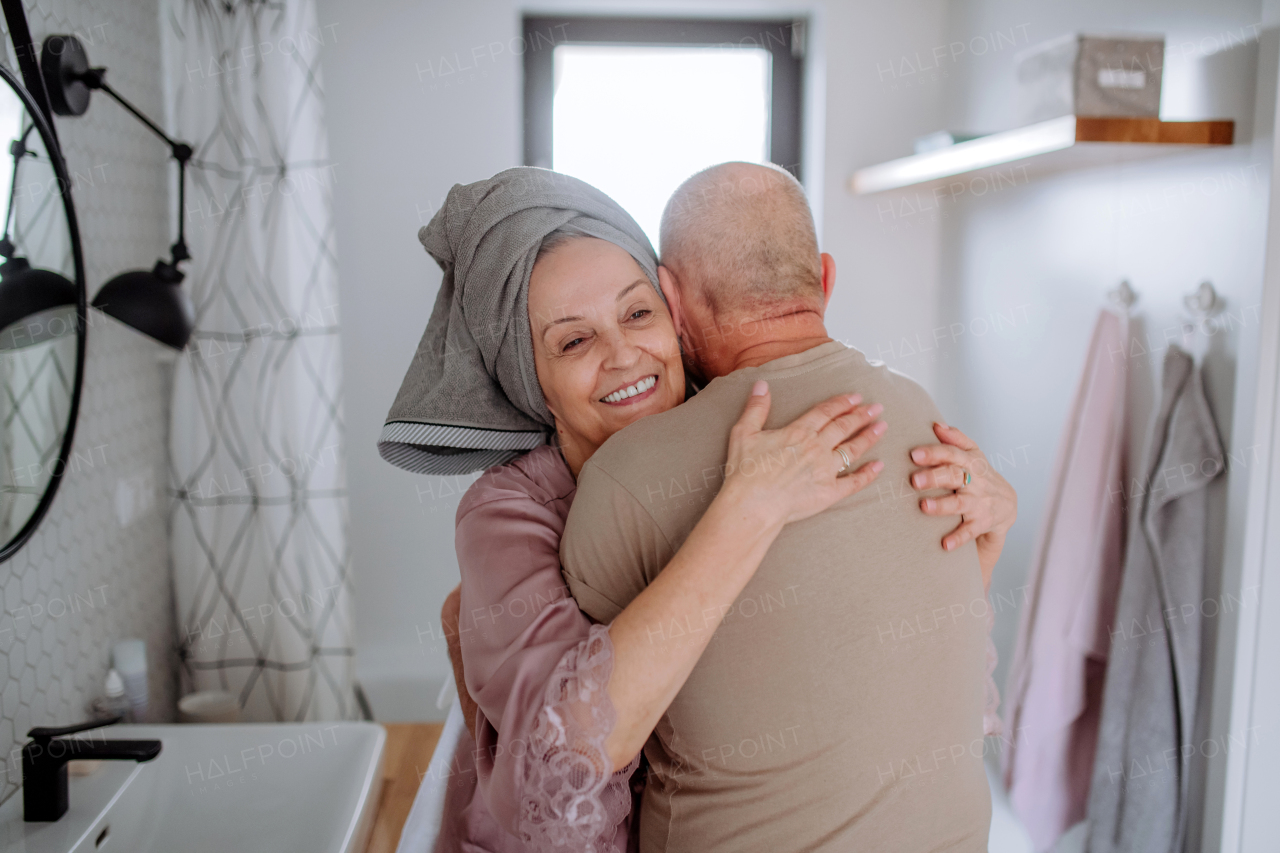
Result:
{"points": [[737, 620]]}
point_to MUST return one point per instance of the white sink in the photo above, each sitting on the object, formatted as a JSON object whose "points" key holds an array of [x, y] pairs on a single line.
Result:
{"points": [[282, 787]]}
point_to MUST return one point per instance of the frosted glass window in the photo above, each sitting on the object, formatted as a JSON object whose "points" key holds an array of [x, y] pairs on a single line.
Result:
{"points": [[635, 121]]}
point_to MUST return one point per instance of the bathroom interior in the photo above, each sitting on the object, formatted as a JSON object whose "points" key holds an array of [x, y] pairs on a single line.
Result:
{"points": [[211, 256]]}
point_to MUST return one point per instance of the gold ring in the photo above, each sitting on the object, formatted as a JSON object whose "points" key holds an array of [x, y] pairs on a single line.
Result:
{"points": [[848, 463], [968, 478]]}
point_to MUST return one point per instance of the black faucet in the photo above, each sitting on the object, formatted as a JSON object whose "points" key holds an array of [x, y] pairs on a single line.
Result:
{"points": [[44, 764]]}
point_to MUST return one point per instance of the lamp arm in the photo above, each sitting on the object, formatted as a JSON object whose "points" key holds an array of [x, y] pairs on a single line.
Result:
{"points": [[17, 148], [95, 78], [178, 250]]}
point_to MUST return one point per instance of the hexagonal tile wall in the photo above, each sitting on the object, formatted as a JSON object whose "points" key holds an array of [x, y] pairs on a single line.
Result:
{"points": [[97, 570]]}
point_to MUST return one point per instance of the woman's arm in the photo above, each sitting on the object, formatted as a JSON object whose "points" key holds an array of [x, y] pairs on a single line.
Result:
{"points": [[726, 547]]}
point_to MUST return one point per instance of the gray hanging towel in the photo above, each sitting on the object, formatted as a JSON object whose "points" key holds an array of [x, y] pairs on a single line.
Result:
{"points": [[1138, 795], [470, 398]]}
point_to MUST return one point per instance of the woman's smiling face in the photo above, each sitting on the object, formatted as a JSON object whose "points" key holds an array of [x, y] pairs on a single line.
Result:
{"points": [[603, 343]]}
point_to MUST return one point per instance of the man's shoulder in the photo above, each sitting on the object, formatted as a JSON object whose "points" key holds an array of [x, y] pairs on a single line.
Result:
{"points": [[614, 544], [696, 431], [907, 390], [891, 387]]}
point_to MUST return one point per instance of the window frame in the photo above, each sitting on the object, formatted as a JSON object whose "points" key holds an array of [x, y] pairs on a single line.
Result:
{"points": [[783, 38]]}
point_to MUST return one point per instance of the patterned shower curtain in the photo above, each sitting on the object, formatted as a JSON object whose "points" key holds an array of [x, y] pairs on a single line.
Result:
{"points": [[259, 526]]}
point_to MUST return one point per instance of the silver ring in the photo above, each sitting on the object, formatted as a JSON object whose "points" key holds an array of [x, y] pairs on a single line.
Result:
{"points": [[848, 463]]}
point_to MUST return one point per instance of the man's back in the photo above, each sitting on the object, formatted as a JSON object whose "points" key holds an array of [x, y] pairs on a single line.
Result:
{"points": [[839, 705]]}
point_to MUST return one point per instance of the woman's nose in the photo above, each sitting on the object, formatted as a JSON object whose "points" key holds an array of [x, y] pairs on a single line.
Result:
{"points": [[621, 352]]}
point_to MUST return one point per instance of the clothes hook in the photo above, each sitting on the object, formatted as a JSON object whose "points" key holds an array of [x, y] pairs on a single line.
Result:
{"points": [[1204, 301], [1123, 295]]}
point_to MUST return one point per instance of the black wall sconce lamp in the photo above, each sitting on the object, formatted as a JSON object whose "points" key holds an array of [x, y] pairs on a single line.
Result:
{"points": [[151, 301], [26, 291]]}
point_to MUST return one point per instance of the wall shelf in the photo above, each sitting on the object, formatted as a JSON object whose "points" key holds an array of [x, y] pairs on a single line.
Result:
{"points": [[1055, 145]]}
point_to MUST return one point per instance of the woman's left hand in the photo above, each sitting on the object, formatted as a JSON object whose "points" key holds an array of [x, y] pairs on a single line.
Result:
{"points": [[450, 617], [987, 505]]}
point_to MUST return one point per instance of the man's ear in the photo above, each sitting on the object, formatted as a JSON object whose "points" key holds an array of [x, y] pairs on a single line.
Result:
{"points": [[671, 290], [828, 279]]}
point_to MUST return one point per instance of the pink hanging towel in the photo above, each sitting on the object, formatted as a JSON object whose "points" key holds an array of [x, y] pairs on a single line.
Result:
{"points": [[1054, 689]]}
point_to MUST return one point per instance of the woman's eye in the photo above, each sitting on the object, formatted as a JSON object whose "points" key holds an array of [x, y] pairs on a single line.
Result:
{"points": [[571, 344], [640, 313]]}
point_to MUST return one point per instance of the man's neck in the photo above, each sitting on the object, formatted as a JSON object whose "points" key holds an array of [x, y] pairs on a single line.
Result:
{"points": [[755, 342], [767, 351]]}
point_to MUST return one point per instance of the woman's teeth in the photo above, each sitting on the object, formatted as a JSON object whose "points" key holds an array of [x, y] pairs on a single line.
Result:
{"points": [[632, 390]]}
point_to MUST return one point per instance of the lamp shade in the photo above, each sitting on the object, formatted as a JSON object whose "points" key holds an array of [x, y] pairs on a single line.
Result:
{"points": [[151, 301], [29, 298]]}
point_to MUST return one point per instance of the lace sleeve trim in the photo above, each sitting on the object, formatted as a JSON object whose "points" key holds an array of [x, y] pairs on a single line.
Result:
{"points": [[572, 801]]}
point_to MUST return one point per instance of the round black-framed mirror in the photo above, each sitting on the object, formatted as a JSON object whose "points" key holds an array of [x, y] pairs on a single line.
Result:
{"points": [[43, 315]]}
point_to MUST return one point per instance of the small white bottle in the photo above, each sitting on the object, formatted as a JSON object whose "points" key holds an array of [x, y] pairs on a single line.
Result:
{"points": [[129, 658], [113, 702]]}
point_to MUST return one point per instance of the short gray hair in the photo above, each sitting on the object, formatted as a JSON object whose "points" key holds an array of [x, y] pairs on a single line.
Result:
{"points": [[742, 234], [556, 239]]}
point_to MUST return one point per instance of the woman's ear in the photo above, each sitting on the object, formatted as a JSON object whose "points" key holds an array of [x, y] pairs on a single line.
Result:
{"points": [[671, 290]]}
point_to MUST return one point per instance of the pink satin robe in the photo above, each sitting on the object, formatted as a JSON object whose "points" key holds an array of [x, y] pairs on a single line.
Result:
{"points": [[536, 777]]}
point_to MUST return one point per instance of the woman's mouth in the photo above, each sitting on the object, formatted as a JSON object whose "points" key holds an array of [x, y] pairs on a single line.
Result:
{"points": [[632, 393]]}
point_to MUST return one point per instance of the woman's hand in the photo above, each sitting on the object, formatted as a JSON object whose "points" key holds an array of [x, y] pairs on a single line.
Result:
{"points": [[797, 471], [449, 619], [987, 506]]}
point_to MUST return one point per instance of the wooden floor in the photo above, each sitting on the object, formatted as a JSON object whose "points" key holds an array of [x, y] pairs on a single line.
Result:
{"points": [[408, 752]]}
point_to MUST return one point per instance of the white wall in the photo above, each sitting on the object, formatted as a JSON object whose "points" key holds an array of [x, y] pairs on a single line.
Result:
{"points": [[412, 111], [1049, 249]]}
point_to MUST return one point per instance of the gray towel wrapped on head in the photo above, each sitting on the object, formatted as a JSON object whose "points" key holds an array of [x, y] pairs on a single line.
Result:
{"points": [[471, 398]]}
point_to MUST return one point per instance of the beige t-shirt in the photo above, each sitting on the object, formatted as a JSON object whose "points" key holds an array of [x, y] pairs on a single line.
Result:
{"points": [[839, 705]]}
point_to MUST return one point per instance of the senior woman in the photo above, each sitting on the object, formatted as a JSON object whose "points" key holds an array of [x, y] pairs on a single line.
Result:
{"points": [[554, 751]]}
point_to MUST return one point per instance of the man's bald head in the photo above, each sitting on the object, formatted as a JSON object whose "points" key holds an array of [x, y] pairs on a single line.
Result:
{"points": [[741, 236]]}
